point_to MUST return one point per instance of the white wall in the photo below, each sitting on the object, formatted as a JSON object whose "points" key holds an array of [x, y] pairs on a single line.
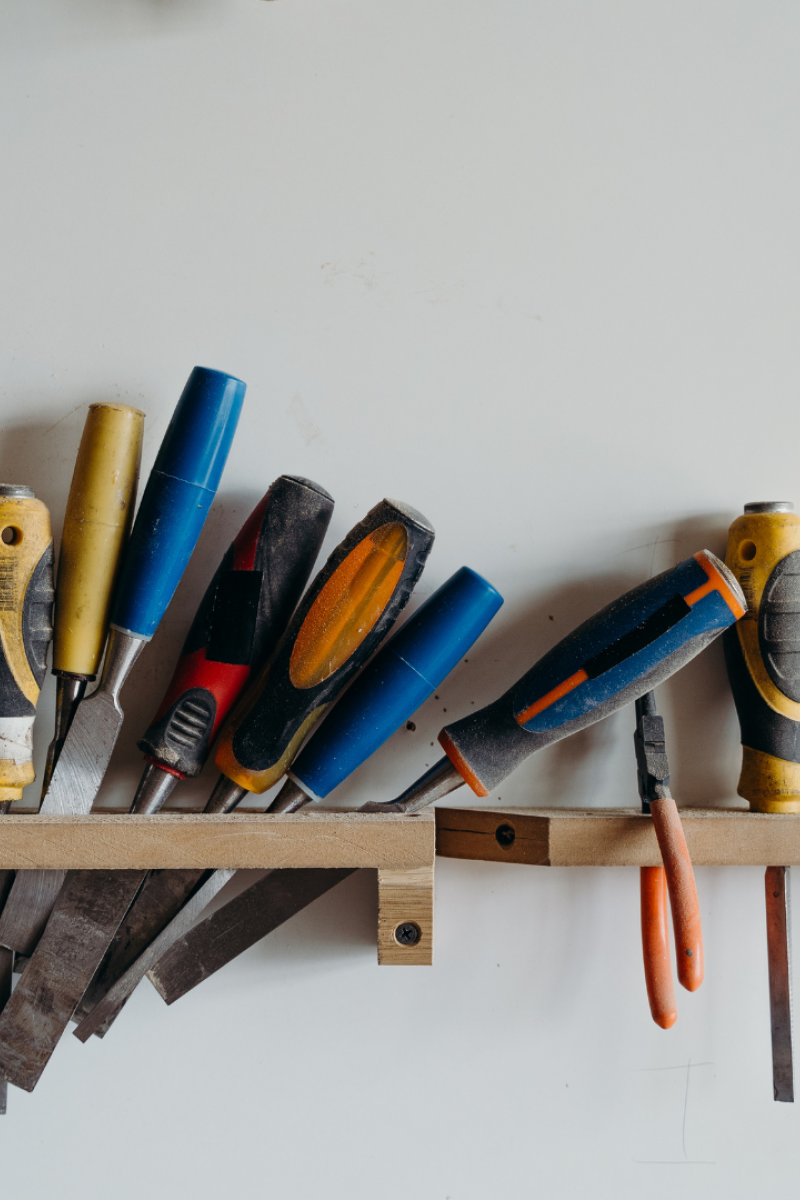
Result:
{"points": [[532, 266]]}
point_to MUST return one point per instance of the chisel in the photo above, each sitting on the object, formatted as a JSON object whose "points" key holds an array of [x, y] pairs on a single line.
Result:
{"points": [[97, 523], [674, 876], [762, 656], [345, 613], [401, 676], [174, 506], [26, 600], [610, 660], [243, 614]]}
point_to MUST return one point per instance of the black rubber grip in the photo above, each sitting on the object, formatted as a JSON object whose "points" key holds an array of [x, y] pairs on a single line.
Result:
{"points": [[37, 633], [264, 732]]}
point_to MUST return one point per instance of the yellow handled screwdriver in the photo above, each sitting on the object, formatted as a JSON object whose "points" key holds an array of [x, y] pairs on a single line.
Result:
{"points": [[26, 600], [96, 527]]}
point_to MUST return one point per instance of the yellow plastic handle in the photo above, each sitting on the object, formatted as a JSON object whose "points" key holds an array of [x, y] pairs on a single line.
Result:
{"points": [[96, 527]]}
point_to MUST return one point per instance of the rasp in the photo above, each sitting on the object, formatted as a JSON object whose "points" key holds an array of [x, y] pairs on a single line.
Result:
{"points": [[762, 656], [401, 676], [176, 501], [240, 620]]}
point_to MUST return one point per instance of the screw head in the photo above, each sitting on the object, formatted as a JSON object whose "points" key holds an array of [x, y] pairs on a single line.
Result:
{"points": [[504, 835], [407, 933]]}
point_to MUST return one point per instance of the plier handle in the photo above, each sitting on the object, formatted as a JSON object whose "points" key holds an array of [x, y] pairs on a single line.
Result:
{"points": [[675, 877]]}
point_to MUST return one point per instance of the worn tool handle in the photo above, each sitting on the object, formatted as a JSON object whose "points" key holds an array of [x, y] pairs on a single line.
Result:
{"points": [[26, 601], [176, 500], [347, 611], [401, 677], [246, 608], [655, 946], [762, 652], [686, 925], [620, 653], [96, 526]]}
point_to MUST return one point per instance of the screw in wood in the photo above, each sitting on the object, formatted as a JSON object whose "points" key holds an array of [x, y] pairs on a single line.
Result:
{"points": [[407, 933], [504, 835]]}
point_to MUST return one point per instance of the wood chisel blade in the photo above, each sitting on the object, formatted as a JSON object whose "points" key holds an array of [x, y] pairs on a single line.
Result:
{"points": [[776, 888], [106, 1012], [6, 972], [237, 926], [161, 898], [52, 984]]}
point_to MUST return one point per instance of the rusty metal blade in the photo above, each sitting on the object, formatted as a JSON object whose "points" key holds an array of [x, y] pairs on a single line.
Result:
{"points": [[106, 1012], [238, 925], [161, 898], [72, 946], [776, 888], [6, 971]]}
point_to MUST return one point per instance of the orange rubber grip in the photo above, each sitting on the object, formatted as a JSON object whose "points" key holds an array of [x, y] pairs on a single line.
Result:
{"points": [[682, 892], [655, 946]]}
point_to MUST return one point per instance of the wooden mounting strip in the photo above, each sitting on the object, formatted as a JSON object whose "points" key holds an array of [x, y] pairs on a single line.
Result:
{"points": [[405, 902], [614, 837], [316, 838]]}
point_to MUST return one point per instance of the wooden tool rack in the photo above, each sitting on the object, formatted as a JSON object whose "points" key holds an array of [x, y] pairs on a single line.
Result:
{"points": [[401, 848]]}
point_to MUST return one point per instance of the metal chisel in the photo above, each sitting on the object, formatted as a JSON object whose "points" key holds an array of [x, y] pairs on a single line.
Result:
{"points": [[176, 500], [97, 523], [762, 655], [240, 620], [401, 676], [351, 604], [618, 654]]}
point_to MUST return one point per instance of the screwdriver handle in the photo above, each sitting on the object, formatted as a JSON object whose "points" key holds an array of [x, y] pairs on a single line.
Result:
{"points": [[618, 654], [245, 609], [350, 606], [401, 677], [655, 946], [762, 653], [26, 601], [176, 500], [96, 526], [683, 900]]}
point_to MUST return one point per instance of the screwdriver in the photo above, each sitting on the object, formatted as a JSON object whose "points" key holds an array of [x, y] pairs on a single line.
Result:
{"points": [[26, 600], [613, 658], [97, 523], [401, 676], [243, 614], [174, 506], [761, 655], [348, 609], [675, 875]]}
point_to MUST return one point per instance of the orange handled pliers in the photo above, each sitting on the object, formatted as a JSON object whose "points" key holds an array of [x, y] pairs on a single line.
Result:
{"points": [[675, 877]]}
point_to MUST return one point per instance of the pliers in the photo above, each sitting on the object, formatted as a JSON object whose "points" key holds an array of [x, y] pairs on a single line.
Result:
{"points": [[675, 877]]}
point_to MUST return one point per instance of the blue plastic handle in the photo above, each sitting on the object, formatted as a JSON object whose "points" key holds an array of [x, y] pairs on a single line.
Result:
{"points": [[176, 500], [398, 680]]}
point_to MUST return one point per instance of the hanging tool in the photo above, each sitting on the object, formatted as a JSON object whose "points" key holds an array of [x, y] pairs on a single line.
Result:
{"points": [[401, 676], [640, 639], [26, 600], [97, 523], [243, 614], [348, 609], [762, 654], [675, 876], [172, 513]]}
